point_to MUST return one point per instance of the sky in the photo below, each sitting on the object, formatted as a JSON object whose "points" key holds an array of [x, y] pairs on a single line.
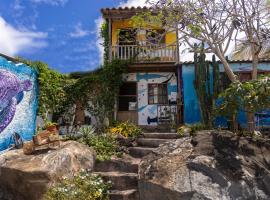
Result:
{"points": [[62, 33]]}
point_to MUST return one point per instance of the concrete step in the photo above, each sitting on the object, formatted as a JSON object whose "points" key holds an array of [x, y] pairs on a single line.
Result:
{"points": [[118, 164], [139, 152], [151, 142], [120, 180], [160, 135], [124, 194]]}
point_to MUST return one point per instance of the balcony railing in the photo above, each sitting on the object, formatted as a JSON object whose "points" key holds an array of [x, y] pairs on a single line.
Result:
{"points": [[151, 53]]}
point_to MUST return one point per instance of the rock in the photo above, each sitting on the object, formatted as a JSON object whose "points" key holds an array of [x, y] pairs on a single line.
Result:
{"points": [[212, 165], [27, 177]]}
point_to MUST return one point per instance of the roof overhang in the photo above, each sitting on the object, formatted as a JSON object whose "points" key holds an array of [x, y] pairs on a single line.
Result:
{"points": [[122, 13]]}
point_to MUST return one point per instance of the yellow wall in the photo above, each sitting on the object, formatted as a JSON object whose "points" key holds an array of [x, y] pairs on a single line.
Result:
{"points": [[121, 24]]}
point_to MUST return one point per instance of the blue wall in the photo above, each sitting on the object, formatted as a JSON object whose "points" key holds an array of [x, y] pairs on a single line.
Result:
{"points": [[191, 103], [24, 119]]}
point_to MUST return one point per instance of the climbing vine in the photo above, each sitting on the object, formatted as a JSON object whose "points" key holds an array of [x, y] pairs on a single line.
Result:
{"points": [[104, 32], [52, 88]]}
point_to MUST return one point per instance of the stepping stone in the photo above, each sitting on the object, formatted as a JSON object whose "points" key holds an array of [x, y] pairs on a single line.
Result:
{"points": [[161, 135], [151, 142], [118, 164], [120, 180], [139, 152], [124, 194]]}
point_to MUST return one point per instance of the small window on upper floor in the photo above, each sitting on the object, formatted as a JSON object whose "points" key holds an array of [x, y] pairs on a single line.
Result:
{"points": [[155, 37], [127, 37]]}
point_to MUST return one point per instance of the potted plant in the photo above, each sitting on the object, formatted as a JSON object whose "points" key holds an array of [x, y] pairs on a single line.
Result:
{"points": [[50, 126], [173, 127]]}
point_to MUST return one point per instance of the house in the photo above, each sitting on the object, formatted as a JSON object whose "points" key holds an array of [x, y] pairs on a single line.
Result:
{"points": [[150, 93], [158, 89]]}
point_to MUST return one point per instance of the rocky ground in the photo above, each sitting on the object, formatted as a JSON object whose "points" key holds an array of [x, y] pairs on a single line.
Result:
{"points": [[27, 177], [213, 165]]}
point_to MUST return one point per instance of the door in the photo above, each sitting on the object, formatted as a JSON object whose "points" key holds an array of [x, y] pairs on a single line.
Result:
{"points": [[127, 103]]}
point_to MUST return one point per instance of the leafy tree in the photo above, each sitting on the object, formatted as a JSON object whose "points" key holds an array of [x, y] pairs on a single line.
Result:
{"points": [[252, 96], [202, 21]]}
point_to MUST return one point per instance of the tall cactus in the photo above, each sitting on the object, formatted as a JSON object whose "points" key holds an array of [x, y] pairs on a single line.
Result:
{"points": [[206, 93]]}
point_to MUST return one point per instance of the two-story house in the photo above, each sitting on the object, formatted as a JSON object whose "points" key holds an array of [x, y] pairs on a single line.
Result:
{"points": [[149, 95]]}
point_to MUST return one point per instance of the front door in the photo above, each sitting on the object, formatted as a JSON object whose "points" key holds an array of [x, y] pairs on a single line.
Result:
{"points": [[127, 103]]}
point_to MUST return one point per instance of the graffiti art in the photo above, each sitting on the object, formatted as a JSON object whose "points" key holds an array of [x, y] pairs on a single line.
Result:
{"points": [[11, 94]]}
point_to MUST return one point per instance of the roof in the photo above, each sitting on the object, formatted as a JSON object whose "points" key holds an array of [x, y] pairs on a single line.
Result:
{"points": [[122, 12], [232, 61], [8, 58]]}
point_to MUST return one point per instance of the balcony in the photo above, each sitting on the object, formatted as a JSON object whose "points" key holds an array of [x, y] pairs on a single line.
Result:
{"points": [[144, 54]]}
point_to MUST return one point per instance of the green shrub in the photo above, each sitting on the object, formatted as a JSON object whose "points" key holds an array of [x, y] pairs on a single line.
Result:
{"points": [[84, 186], [126, 129], [190, 129], [105, 145]]}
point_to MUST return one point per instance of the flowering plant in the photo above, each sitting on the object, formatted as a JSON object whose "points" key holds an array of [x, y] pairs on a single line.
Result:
{"points": [[84, 186]]}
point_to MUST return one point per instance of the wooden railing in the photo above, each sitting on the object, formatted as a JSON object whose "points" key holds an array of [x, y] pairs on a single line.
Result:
{"points": [[151, 53]]}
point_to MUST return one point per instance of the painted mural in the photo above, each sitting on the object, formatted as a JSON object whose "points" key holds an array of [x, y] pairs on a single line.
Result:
{"points": [[148, 114], [191, 103], [18, 101]]}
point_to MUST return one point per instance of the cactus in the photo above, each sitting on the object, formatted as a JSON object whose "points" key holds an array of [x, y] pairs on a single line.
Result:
{"points": [[206, 93]]}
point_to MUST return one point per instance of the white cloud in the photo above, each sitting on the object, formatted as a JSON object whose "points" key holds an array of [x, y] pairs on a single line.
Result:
{"points": [[134, 3], [79, 32], [51, 2], [14, 41]]}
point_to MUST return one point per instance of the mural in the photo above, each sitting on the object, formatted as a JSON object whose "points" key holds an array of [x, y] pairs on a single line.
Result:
{"points": [[18, 101], [148, 114]]}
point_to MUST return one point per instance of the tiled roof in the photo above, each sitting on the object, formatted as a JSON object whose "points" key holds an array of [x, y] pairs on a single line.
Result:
{"points": [[122, 12], [8, 58], [124, 9]]}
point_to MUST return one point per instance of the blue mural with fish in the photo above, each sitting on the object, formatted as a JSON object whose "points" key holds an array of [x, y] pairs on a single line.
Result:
{"points": [[18, 101]]}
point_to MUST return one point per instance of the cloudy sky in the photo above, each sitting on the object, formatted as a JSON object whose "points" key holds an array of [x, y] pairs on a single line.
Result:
{"points": [[62, 33]]}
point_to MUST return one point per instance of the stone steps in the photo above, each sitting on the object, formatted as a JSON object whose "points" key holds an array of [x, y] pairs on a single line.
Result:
{"points": [[160, 135], [124, 194], [151, 142], [118, 164], [123, 172], [120, 180], [139, 152]]}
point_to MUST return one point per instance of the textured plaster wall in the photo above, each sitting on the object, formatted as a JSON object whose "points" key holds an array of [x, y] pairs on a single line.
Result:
{"points": [[146, 111], [24, 121]]}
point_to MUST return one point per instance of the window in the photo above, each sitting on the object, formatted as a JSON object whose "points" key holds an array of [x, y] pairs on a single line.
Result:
{"points": [[155, 36], [127, 100], [157, 93], [127, 37]]}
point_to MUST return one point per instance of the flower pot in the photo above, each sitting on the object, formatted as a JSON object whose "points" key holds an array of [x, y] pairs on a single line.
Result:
{"points": [[52, 128]]}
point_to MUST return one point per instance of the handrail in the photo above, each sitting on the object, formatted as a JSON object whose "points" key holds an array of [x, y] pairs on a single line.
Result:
{"points": [[142, 53]]}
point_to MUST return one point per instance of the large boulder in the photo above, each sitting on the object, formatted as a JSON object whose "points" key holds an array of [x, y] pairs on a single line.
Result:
{"points": [[213, 165], [27, 177]]}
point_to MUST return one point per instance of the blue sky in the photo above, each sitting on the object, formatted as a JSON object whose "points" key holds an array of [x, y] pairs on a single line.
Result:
{"points": [[62, 33]]}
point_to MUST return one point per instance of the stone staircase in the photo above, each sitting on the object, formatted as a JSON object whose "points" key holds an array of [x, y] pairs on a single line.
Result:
{"points": [[123, 172]]}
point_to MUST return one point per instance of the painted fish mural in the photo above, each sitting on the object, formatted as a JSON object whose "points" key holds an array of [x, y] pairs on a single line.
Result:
{"points": [[11, 94]]}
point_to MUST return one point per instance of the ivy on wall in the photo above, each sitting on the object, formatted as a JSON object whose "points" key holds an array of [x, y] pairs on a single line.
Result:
{"points": [[52, 88]]}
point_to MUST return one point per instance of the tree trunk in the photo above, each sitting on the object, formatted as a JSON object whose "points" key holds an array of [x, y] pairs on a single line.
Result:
{"points": [[255, 62], [227, 68]]}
